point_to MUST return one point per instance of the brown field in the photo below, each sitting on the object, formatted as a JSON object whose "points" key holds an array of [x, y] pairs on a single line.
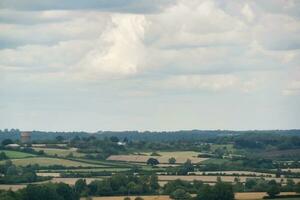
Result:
{"points": [[11, 187], [296, 170], [238, 196], [52, 174], [256, 195], [214, 178], [180, 156]]}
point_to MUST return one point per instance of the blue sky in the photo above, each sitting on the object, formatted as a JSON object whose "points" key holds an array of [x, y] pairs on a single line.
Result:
{"points": [[149, 64]]}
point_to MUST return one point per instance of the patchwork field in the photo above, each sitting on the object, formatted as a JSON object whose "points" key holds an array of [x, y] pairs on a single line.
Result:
{"points": [[214, 178], [17, 154], [238, 196], [43, 161], [180, 156]]}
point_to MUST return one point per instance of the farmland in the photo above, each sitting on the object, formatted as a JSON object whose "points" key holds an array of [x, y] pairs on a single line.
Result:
{"points": [[163, 157], [238, 196], [60, 152], [17, 154], [44, 161]]}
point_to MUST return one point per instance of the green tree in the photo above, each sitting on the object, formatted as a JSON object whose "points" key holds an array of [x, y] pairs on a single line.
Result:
{"points": [[180, 194], [172, 160], [223, 191], [206, 193], [152, 161], [273, 188], [80, 186], [6, 142]]}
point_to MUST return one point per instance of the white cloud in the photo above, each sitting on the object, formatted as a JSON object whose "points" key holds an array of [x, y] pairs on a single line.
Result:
{"points": [[119, 50], [248, 13], [293, 88]]}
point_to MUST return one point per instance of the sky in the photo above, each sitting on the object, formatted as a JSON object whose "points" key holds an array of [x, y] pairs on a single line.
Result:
{"points": [[93, 65]]}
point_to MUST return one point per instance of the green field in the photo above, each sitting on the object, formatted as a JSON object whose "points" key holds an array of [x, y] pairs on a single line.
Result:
{"points": [[17, 154], [43, 161]]}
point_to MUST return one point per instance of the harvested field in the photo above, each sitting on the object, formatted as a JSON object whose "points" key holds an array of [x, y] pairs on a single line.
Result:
{"points": [[211, 179], [48, 174], [296, 170], [11, 187], [43, 161], [256, 195], [180, 156]]}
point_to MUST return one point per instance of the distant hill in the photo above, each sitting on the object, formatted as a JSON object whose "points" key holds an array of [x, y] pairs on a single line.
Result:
{"points": [[14, 134]]}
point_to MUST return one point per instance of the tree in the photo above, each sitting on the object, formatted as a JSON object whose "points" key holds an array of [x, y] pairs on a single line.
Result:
{"points": [[273, 189], [80, 186], [206, 193], [6, 142], [152, 161], [59, 138], [297, 188], [114, 139], [188, 166], [180, 194], [223, 191], [154, 182], [3, 156], [172, 160]]}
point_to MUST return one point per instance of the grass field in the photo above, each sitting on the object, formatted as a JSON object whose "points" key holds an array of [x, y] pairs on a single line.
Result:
{"points": [[43, 161], [180, 156], [17, 154], [60, 152]]}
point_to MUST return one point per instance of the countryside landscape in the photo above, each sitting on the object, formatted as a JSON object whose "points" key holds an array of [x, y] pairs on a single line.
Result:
{"points": [[195, 164], [149, 99]]}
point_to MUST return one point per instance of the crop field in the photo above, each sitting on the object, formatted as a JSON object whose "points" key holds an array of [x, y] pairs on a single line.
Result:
{"points": [[43, 161], [296, 170], [180, 156], [17, 154], [60, 152], [211, 179], [238, 196], [240, 173]]}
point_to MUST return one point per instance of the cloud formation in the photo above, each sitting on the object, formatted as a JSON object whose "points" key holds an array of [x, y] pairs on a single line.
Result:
{"points": [[153, 48]]}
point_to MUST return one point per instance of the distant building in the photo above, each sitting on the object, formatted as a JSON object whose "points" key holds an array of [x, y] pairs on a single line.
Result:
{"points": [[25, 137], [12, 146]]}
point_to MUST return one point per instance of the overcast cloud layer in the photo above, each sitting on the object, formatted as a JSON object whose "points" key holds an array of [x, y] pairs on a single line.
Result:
{"points": [[149, 64]]}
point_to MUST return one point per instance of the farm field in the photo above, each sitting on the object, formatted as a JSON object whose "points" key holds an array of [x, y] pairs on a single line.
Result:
{"points": [[43, 161], [243, 173], [180, 156], [17, 154], [214, 178], [60, 152], [238, 196], [296, 170]]}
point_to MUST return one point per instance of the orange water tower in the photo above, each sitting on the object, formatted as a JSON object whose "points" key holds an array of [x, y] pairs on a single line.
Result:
{"points": [[25, 137]]}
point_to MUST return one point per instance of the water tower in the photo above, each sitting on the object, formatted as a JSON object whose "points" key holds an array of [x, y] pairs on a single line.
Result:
{"points": [[25, 137]]}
